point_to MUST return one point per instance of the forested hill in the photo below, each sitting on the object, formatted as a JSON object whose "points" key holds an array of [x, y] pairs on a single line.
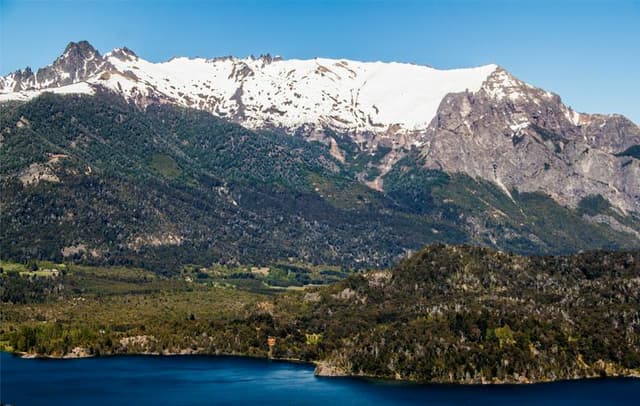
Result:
{"points": [[97, 180], [465, 314]]}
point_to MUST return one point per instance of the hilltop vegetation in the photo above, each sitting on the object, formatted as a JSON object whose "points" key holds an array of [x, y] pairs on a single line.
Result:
{"points": [[446, 314], [462, 314]]}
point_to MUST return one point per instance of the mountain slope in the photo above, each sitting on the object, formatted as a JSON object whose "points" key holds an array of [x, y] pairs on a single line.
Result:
{"points": [[96, 178], [93, 178]]}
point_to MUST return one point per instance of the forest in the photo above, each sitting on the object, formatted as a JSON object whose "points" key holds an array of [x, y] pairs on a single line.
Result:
{"points": [[96, 181], [456, 314]]}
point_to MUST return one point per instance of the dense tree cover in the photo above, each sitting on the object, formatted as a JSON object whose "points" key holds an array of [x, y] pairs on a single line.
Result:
{"points": [[446, 314], [471, 314], [19, 289], [95, 180], [231, 194]]}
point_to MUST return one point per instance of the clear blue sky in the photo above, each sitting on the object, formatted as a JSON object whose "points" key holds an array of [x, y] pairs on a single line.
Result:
{"points": [[587, 51]]}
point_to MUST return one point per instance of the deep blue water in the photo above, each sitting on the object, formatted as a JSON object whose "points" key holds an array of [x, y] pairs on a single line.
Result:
{"points": [[199, 380]]}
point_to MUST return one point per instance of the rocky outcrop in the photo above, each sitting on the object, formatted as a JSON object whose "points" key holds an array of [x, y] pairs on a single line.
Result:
{"points": [[523, 138], [79, 62], [330, 369]]}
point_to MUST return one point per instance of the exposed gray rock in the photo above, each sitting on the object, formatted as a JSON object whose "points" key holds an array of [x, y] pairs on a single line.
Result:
{"points": [[524, 138], [79, 62]]}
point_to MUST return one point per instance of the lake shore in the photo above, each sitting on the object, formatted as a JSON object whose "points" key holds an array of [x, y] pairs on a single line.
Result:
{"points": [[107, 380], [328, 369]]}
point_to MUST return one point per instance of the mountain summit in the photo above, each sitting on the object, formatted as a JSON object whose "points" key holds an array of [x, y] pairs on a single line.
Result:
{"points": [[79, 62]]}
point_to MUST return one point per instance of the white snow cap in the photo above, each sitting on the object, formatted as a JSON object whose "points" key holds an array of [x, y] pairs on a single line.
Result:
{"points": [[363, 96]]}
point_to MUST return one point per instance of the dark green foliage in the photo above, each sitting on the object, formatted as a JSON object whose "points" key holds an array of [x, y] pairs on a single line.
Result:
{"points": [[592, 205], [455, 314], [165, 165], [168, 186], [22, 289], [231, 194], [633, 151], [414, 186]]}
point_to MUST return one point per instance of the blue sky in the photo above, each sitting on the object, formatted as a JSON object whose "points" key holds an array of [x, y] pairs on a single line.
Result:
{"points": [[587, 51]]}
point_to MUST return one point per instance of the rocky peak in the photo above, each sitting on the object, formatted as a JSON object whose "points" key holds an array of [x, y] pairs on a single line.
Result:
{"points": [[78, 62], [501, 84], [268, 58], [522, 105], [124, 54], [81, 50], [15, 81], [522, 137]]}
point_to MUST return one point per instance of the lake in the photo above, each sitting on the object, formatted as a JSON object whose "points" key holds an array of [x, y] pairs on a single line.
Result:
{"points": [[202, 380]]}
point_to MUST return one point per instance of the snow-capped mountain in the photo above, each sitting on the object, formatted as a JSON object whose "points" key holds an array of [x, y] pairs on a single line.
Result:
{"points": [[480, 121], [261, 92]]}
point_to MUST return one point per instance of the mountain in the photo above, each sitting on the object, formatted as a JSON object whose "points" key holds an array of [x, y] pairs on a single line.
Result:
{"points": [[337, 161], [79, 62], [542, 145]]}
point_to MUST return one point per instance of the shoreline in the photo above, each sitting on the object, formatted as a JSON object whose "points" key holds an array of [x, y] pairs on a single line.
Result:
{"points": [[322, 370], [27, 355]]}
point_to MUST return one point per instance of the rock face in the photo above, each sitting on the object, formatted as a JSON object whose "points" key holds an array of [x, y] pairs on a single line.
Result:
{"points": [[79, 62], [330, 369], [482, 121], [524, 138]]}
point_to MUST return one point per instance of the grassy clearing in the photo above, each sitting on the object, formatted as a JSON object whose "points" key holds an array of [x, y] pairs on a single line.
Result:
{"points": [[12, 266], [165, 165]]}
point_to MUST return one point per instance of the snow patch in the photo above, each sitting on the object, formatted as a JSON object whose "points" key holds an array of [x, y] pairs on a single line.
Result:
{"points": [[76, 88], [516, 128]]}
